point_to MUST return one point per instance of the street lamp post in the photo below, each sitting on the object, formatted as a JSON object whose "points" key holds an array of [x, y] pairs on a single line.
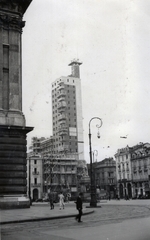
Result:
{"points": [[95, 154], [93, 202], [30, 181]]}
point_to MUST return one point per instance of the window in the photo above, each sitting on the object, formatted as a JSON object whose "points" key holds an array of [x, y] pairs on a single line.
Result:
{"points": [[35, 180], [34, 161]]}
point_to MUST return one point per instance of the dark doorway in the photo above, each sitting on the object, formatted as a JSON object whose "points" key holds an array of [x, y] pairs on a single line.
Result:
{"points": [[129, 190], [35, 194], [121, 191]]}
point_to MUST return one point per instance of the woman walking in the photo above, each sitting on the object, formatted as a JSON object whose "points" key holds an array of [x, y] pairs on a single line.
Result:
{"points": [[61, 201]]}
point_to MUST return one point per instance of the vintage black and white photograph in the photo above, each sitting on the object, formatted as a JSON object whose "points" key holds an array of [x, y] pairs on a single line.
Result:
{"points": [[74, 119]]}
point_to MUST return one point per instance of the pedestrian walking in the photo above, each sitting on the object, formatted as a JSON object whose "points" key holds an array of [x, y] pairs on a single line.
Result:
{"points": [[79, 207], [51, 200], [68, 195], [61, 201]]}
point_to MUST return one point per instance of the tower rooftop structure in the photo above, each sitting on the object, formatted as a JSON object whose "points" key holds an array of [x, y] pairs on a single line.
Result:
{"points": [[75, 61], [75, 70]]}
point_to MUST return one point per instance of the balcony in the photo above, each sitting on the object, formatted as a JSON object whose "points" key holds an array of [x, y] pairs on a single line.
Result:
{"points": [[60, 99], [62, 106], [62, 122], [35, 173], [36, 185], [61, 86], [63, 130], [65, 172], [143, 179], [123, 180], [61, 117], [62, 93]]}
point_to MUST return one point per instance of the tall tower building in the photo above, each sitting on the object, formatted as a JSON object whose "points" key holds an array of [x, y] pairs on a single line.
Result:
{"points": [[67, 113]]}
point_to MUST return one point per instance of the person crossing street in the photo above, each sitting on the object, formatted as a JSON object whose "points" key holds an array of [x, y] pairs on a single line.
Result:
{"points": [[79, 207], [61, 201], [51, 199]]}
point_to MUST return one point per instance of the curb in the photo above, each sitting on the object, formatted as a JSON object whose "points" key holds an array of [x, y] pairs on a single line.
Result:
{"points": [[44, 218]]}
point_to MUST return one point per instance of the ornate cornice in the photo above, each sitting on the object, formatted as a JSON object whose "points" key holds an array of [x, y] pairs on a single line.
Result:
{"points": [[11, 22], [19, 6]]}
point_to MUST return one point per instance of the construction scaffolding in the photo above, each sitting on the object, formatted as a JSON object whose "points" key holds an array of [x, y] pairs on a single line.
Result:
{"points": [[60, 173]]}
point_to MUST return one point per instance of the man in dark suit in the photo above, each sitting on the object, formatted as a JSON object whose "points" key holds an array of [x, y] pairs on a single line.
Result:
{"points": [[51, 200], [79, 207]]}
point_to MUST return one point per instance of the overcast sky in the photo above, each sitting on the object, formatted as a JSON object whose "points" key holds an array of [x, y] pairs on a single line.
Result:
{"points": [[112, 39]]}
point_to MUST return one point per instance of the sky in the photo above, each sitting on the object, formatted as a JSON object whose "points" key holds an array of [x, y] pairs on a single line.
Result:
{"points": [[112, 40]]}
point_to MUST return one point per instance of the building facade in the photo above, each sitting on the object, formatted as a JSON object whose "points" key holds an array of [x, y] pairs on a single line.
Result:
{"points": [[61, 171], [67, 113], [35, 180], [140, 164], [63, 153], [41, 145], [124, 172], [133, 171], [68, 121], [105, 176]]}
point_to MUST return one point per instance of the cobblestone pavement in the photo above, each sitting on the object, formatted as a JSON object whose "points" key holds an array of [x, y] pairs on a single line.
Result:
{"points": [[108, 214]]}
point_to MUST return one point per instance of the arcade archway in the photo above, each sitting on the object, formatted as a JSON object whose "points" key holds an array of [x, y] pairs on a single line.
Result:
{"points": [[129, 190], [35, 194]]}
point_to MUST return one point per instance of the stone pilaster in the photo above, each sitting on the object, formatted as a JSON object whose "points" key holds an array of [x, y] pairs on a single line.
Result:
{"points": [[13, 130]]}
